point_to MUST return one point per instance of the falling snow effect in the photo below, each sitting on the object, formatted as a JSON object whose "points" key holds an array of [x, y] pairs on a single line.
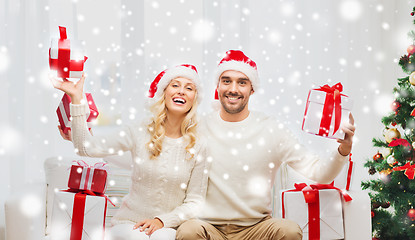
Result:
{"points": [[296, 49]]}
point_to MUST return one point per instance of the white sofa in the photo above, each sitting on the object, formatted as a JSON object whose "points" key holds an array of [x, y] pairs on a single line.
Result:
{"points": [[28, 210]]}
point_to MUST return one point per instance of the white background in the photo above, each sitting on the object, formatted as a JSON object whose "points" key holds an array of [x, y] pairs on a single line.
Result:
{"points": [[297, 45]]}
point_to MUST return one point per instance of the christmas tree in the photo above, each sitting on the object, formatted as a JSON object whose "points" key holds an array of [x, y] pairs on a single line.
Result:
{"points": [[393, 193]]}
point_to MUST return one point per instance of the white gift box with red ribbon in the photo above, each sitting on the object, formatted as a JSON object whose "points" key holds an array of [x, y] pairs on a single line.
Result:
{"points": [[78, 216], [64, 114], [66, 57], [316, 208], [86, 177], [326, 110]]}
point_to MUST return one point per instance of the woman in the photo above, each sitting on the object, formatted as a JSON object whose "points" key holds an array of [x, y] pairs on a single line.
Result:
{"points": [[169, 177]]}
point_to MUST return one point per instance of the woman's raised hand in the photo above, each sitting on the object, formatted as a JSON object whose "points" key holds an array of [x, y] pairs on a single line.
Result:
{"points": [[74, 90]]}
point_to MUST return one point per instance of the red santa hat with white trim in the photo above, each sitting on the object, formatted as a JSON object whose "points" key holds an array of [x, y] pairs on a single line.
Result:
{"points": [[238, 61], [163, 79]]}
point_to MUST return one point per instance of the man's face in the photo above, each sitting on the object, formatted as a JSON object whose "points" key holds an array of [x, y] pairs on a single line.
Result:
{"points": [[234, 90]]}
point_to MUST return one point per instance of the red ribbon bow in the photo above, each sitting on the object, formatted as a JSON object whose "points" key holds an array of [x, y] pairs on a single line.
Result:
{"points": [[98, 165], [332, 103], [307, 189], [398, 142], [409, 170], [89, 192]]}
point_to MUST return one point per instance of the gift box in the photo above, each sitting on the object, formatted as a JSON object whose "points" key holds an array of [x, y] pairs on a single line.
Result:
{"points": [[64, 114], [326, 109], [316, 208], [85, 177], [78, 216], [66, 57]]}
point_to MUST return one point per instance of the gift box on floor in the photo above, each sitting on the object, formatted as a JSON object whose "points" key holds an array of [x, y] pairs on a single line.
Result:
{"points": [[64, 113], [85, 177], [78, 216], [66, 57], [326, 109], [317, 209]]}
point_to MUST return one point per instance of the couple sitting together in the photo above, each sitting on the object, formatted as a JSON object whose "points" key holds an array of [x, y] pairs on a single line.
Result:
{"points": [[196, 179]]}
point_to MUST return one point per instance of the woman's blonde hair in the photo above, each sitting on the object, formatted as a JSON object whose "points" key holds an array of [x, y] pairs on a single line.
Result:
{"points": [[157, 130]]}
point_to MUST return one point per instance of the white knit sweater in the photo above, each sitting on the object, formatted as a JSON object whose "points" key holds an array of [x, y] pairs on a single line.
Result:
{"points": [[170, 187], [245, 157]]}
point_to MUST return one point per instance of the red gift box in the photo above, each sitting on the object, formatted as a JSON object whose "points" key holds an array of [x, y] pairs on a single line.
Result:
{"points": [[65, 57], [64, 113], [85, 177], [327, 108]]}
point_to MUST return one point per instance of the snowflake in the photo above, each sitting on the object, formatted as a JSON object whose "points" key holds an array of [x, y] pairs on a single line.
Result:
{"points": [[62, 206], [202, 31], [245, 168], [173, 30], [351, 10], [4, 59], [258, 186], [287, 9], [379, 8], [43, 119], [81, 18], [343, 61], [95, 31], [246, 11]]}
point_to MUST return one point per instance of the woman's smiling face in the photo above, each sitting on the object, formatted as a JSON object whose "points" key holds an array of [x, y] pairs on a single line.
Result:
{"points": [[179, 95]]}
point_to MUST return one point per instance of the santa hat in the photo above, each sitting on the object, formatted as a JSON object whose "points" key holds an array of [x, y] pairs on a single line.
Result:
{"points": [[238, 61], [163, 79]]}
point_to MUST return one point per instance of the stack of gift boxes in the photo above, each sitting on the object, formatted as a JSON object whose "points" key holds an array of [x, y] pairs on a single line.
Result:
{"points": [[327, 211], [79, 212]]}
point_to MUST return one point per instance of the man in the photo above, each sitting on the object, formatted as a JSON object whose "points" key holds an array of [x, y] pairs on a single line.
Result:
{"points": [[246, 149]]}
